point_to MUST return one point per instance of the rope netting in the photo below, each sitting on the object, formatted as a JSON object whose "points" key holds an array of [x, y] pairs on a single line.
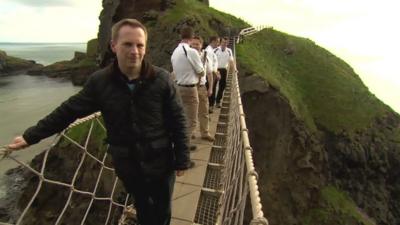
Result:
{"points": [[78, 190]]}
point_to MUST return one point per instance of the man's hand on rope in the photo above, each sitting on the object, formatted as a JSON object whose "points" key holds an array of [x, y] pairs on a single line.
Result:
{"points": [[5, 151], [18, 143]]}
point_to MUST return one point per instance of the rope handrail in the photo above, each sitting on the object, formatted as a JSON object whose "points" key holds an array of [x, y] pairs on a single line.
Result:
{"points": [[239, 175]]}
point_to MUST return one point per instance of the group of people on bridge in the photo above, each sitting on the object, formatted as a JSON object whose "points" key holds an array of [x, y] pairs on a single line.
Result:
{"points": [[197, 73], [150, 117]]}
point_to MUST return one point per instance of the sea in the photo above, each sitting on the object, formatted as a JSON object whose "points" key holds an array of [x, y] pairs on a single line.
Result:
{"points": [[25, 99]]}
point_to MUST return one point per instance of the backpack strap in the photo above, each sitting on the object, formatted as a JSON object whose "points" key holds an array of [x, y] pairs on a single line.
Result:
{"points": [[184, 49]]}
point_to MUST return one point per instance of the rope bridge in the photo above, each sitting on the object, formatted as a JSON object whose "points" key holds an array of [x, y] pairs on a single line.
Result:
{"points": [[230, 175]]}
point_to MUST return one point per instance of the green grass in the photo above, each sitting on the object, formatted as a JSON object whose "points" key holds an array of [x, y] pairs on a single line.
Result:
{"points": [[14, 62], [338, 208], [66, 65], [200, 14], [322, 89], [79, 134]]}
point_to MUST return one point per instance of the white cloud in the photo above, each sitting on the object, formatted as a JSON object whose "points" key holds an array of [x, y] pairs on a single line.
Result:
{"points": [[45, 3], [23, 23]]}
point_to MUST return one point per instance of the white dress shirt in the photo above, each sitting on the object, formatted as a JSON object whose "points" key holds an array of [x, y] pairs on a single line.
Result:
{"points": [[223, 56], [212, 57], [208, 65], [186, 64]]}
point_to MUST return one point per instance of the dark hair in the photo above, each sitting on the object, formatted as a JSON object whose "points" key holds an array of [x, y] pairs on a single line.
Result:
{"points": [[126, 22], [225, 38], [214, 38], [187, 32]]}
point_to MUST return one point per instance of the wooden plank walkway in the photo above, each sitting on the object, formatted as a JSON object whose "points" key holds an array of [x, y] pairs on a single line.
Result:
{"points": [[188, 187]]}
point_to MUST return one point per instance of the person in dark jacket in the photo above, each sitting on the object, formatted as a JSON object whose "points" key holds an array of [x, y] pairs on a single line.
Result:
{"points": [[144, 118]]}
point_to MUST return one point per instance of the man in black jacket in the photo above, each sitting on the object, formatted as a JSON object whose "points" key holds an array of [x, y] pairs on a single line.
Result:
{"points": [[144, 119]]}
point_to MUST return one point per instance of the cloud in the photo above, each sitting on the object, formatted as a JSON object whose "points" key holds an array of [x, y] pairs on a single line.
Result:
{"points": [[49, 24], [46, 3]]}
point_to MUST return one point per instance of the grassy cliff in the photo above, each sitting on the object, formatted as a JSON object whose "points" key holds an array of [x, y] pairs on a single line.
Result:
{"points": [[318, 129], [323, 90], [164, 30]]}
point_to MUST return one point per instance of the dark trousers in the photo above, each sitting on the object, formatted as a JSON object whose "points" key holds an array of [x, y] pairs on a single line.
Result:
{"points": [[152, 194], [211, 99], [221, 84]]}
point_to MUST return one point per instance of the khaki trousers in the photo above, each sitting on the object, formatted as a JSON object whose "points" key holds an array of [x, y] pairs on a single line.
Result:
{"points": [[203, 110], [190, 100]]}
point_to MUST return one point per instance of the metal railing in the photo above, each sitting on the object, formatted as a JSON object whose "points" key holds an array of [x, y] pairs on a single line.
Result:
{"points": [[249, 31]]}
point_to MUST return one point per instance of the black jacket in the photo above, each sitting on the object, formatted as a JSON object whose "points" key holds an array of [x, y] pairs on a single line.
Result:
{"points": [[150, 119]]}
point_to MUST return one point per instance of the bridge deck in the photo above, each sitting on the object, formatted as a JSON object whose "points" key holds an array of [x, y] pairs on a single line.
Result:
{"points": [[188, 187]]}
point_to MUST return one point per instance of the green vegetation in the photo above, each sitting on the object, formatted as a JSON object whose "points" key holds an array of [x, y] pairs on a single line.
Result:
{"points": [[71, 64], [81, 60], [13, 62], [321, 88], [201, 14], [338, 209], [91, 48], [80, 132]]}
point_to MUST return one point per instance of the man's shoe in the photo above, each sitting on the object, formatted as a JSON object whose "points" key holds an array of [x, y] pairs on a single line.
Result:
{"points": [[208, 138], [218, 105], [192, 147], [210, 109], [191, 164]]}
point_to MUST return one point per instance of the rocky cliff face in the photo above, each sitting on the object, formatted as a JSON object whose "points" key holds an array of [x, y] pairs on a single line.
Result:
{"points": [[289, 159], [161, 39], [295, 164], [77, 69], [366, 164]]}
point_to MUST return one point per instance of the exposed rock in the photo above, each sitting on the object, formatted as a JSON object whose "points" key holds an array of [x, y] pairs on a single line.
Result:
{"points": [[62, 163], [288, 158], [92, 49], [162, 39], [10, 65], [78, 56], [366, 165], [294, 164], [253, 83], [77, 69]]}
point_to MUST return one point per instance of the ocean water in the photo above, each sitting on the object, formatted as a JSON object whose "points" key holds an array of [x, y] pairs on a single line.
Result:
{"points": [[25, 99]]}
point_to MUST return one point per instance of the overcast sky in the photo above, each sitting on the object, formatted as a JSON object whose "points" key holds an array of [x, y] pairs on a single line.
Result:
{"points": [[49, 20], [363, 33]]}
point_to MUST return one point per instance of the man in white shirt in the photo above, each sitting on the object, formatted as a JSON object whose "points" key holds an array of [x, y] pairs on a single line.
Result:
{"points": [[212, 57], [225, 59], [188, 69], [203, 91]]}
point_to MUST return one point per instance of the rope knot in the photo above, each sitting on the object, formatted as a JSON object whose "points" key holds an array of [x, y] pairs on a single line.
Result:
{"points": [[5, 151]]}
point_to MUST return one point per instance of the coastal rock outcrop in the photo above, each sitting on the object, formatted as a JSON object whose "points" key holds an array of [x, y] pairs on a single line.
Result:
{"points": [[326, 149], [77, 69], [10, 65]]}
